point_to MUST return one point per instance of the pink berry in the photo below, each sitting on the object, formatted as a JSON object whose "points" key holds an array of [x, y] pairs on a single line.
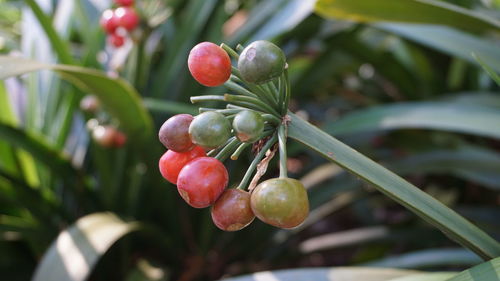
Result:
{"points": [[127, 18], [109, 21]]}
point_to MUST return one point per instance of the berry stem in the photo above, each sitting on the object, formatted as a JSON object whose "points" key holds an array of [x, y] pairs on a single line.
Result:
{"points": [[282, 92], [287, 93], [239, 89], [230, 51], [239, 48], [282, 150], [221, 111], [257, 90], [271, 119], [239, 150], [195, 99], [246, 178], [228, 149], [243, 100]]}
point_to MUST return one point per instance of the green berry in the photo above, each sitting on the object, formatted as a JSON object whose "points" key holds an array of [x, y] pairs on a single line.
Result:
{"points": [[261, 61], [210, 130]]}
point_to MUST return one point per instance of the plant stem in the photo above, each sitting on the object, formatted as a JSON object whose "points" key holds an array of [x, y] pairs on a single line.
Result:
{"points": [[195, 99], [228, 149], [246, 178], [221, 111], [239, 89], [239, 48], [258, 104], [287, 93], [257, 90], [271, 119], [282, 150], [281, 92], [230, 51], [239, 150]]}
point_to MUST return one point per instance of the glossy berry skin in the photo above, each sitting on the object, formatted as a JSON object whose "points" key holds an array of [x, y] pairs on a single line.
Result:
{"points": [[210, 129], [116, 40], [174, 133], [109, 21], [261, 61], [209, 64], [124, 3], [202, 181], [232, 212], [281, 202], [248, 126], [127, 18], [171, 163]]}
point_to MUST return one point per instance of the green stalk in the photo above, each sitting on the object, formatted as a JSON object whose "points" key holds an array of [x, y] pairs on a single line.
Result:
{"points": [[259, 91], [249, 100], [282, 91], [195, 99], [246, 178], [287, 93], [228, 149], [239, 89], [271, 119], [230, 51], [239, 150], [282, 151]]}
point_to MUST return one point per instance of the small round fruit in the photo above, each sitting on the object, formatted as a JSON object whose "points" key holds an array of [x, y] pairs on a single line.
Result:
{"points": [[127, 18], [281, 202], [202, 181], [209, 64], [125, 3], [89, 104], [261, 61], [210, 129], [232, 212], [119, 139], [109, 21], [174, 133], [107, 136], [248, 126], [171, 163], [116, 40]]}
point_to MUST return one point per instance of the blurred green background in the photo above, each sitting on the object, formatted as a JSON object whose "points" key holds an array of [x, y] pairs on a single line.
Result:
{"points": [[410, 84]]}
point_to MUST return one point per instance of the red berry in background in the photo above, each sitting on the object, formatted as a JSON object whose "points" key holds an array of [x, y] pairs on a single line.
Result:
{"points": [[124, 2], [209, 64], [171, 163], [232, 211], [202, 181], [127, 18], [107, 136], [89, 104], [119, 139], [109, 21], [116, 40], [174, 133]]}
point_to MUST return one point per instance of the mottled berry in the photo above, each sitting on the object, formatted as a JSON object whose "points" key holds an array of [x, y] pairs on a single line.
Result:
{"points": [[174, 133], [232, 212]]}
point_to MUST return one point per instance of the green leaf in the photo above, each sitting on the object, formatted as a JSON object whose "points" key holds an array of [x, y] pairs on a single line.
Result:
{"points": [[437, 276], [425, 206], [76, 250], [486, 271], [118, 97], [324, 274], [407, 11], [446, 116], [487, 68], [58, 45], [429, 258], [448, 40]]}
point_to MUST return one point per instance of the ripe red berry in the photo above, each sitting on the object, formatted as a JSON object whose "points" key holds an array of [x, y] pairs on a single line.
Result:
{"points": [[119, 139], [124, 2], [109, 21], [116, 40], [202, 181], [127, 18], [171, 163], [107, 136], [232, 212], [209, 64], [174, 133], [281, 202]]}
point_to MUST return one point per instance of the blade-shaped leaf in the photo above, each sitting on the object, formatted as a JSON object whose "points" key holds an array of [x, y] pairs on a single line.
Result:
{"points": [[409, 11], [487, 68], [118, 97], [437, 276], [419, 202], [76, 250], [455, 117], [489, 270]]}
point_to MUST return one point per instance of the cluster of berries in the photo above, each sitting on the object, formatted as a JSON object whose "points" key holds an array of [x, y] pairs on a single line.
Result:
{"points": [[118, 23], [104, 135], [256, 117]]}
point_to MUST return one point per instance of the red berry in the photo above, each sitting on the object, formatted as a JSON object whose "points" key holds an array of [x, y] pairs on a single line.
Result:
{"points": [[119, 139], [127, 18], [202, 181], [107, 136], [232, 212], [124, 2], [209, 64], [171, 163], [109, 21], [174, 133], [116, 40]]}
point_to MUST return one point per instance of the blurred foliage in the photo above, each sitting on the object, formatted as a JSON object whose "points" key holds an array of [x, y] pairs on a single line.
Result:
{"points": [[408, 95]]}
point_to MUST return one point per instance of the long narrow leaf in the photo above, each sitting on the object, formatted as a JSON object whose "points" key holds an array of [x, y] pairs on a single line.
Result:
{"points": [[431, 210], [76, 250], [486, 271], [409, 11]]}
